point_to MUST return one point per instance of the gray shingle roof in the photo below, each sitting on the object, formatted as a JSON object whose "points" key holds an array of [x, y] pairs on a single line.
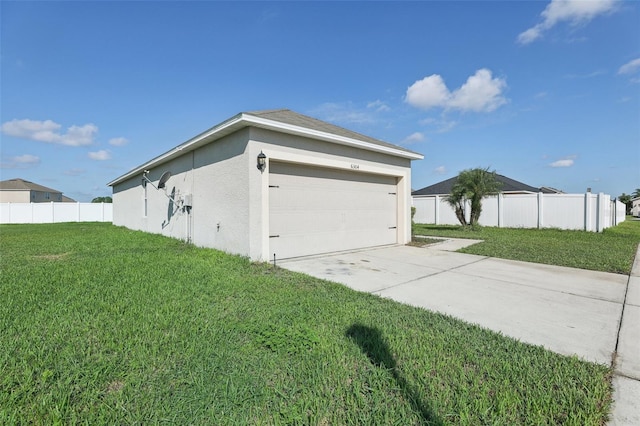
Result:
{"points": [[24, 185], [287, 116], [508, 185]]}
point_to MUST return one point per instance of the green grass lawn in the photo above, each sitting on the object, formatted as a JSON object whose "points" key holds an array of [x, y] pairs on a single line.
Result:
{"points": [[610, 251], [103, 325]]}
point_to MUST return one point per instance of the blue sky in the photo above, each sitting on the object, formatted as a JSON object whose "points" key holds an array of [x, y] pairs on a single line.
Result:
{"points": [[547, 93]]}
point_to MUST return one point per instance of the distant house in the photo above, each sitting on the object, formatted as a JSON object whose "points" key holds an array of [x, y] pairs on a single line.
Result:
{"points": [[635, 207], [509, 186], [23, 191]]}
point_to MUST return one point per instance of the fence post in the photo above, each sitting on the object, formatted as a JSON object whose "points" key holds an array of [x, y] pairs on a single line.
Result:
{"points": [[437, 208], [53, 212], [587, 211], [540, 210], [600, 213], [500, 209]]}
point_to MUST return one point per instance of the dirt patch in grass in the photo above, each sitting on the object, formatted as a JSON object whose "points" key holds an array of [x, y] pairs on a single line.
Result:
{"points": [[115, 386], [421, 242], [60, 256]]}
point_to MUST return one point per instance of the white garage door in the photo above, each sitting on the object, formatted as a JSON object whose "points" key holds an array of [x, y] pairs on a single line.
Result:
{"points": [[318, 210]]}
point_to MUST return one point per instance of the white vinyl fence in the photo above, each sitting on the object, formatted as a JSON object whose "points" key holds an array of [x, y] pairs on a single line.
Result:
{"points": [[588, 212], [55, 212]]}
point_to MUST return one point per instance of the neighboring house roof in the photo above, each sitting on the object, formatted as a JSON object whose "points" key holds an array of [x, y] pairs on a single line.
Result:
{"points": [[508, 185], [24, 185], [66, 199], [280, 120], [550, 190]]}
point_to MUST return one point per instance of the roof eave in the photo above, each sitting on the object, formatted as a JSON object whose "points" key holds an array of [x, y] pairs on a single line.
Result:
{"points": [[329, 137], [242, 120]]}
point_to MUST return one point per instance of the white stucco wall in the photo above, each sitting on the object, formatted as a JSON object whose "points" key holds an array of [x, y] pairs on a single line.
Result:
{"points": [[221, 217], [215, 176]]}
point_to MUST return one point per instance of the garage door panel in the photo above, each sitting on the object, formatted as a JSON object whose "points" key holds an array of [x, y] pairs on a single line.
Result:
{"points": [[302, 199], [308, 244], [315, 210], [301, 222]]}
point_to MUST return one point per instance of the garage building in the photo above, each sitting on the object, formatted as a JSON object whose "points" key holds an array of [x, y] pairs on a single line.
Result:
{"points": [[271, 184]]}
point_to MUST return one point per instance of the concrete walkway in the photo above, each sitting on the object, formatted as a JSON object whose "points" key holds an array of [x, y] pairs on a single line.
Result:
{"points": [[566, 310], [626, 380]]}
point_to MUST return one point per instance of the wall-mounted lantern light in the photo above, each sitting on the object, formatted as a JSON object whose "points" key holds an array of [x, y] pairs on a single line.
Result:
{"points": [[262, 161]]}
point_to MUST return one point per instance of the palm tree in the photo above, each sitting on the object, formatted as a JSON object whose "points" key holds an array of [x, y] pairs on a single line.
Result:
{"points": [[457, 199], [636, 193], [472, 185]]}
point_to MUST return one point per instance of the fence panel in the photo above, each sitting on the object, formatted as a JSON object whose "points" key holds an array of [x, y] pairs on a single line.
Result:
{"points": [[55, 212], [5, 213], [564, 211], [446, 213], [589, 212], [490, 211], [425, 210], [621, 212], [520, 211], [67, 212]]}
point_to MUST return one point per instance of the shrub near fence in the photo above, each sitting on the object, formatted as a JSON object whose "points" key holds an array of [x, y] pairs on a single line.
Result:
{"points": [[588, 212], [55, 212]]}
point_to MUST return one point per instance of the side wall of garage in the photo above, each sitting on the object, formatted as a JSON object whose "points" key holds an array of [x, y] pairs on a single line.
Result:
{"points": [[139, 205], [216, 178]]}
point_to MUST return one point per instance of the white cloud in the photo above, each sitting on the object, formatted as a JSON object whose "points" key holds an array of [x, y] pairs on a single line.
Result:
{"points": [[414, 137], [575, 12], [22, 162], [428, 92], [565, 162], [481, 93], [378, 106], [101, 155], [440, 170], [118, 141], [49, 131], [27, 159], [530, 35], [630, 67], [442, 125], [562, 163]]}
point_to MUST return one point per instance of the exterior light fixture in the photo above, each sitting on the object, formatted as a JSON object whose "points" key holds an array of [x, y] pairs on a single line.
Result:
{"points": [[262, 161]]}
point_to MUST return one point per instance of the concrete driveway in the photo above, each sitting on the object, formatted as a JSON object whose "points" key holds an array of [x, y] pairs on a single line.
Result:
{"points": [[569, 311]]}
